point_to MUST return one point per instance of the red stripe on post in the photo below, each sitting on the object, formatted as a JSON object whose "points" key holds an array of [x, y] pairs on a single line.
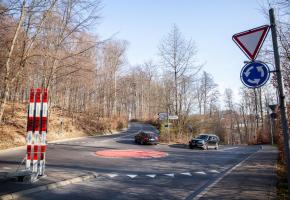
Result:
{"points": [[43, 124], [30, 111], [43, 148], [35, 156], [36, 125], [30, 124], [37, 96], [42, 156], [28, 148], [44, 97], [28, 152], [31, 99]]}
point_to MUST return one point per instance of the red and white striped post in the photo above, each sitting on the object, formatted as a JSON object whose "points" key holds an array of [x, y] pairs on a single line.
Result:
{"points": [[36, 129], [44, 112], [30, 120]]}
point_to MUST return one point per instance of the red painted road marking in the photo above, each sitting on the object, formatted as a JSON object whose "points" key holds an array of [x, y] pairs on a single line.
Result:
{"points": [[131, 153]]}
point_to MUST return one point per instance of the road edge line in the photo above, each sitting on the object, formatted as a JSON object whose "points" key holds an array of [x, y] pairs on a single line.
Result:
{"points": [[51, 186], [203, 192]]}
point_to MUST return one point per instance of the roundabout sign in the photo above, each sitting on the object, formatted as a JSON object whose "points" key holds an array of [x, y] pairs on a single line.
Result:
{"points": [[255, 74]]}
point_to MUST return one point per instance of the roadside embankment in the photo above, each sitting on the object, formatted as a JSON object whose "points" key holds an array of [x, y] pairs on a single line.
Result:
{"points": [[61, 125]]}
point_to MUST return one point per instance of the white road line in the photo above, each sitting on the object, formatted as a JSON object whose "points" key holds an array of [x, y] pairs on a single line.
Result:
{"points": [[171, 175], [214, 171], [201, 194], [94, 137], [201, 172], [229, 148], [132, 175], [112, 175], [6, 168], [151, 175], [115, 138], [125, 135], [186, 174]]}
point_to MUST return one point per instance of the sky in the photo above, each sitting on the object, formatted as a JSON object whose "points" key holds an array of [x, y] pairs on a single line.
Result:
{"points": [[209, 23]]}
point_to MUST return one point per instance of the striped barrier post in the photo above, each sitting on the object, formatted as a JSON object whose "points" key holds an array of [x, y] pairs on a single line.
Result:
{"points": [[36, 129], [44, 112], [30, 120]]}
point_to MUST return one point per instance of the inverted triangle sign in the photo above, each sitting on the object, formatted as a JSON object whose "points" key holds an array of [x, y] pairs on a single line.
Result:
{"points": [[250, 42]]}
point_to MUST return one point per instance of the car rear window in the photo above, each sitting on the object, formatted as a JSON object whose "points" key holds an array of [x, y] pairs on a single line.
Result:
{"points": [[203, 137]]}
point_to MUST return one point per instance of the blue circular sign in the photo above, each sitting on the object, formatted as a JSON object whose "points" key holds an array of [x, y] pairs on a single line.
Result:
{"points": [[255, 74]]}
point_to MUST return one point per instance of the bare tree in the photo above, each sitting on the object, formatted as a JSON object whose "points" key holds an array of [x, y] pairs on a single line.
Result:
{"points": [[32, 15], [178, 54], [207, 88]]}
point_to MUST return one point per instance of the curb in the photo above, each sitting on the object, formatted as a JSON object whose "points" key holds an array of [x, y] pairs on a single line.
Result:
{"points": [[12, 149], [16, 195]]}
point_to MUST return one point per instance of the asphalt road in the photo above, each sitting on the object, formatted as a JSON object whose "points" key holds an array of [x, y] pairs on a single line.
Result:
{"points": [[182, 174]]}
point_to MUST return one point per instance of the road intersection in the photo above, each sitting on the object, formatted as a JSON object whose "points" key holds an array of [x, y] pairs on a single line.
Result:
{"points": [[182, 174]]}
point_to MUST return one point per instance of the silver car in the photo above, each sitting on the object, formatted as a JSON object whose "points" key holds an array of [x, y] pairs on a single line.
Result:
{"points": [[205, 141]]}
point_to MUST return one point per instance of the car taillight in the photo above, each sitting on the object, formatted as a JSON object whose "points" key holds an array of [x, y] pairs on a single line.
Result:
{"points": [[145, 138]]}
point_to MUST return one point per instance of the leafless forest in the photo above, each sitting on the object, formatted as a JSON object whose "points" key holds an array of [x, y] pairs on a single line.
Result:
{"points": [[50, 44]]}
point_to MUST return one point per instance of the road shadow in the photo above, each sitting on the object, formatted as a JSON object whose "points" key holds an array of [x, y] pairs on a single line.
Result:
{"points": [[79, 147], [180, 146], [126, 141], [132, 142]]}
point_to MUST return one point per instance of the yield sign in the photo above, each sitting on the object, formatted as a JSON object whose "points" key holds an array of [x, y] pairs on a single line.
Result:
{"points": [[251, 41]]}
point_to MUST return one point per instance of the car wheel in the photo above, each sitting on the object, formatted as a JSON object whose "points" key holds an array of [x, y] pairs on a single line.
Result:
{"points": [[191, 147]]}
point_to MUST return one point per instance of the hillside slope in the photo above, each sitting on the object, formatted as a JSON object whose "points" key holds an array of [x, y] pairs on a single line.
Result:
{"points": [[61, 125]]}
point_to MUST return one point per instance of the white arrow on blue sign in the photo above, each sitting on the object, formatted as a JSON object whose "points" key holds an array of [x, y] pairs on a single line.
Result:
{"points": [[255, 74]]}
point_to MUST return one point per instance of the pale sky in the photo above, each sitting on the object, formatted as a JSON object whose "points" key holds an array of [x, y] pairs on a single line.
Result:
{"points": [[209, 23]]}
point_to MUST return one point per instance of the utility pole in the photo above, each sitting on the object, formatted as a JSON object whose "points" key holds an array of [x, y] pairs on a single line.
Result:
{"points": [[282, 103]]}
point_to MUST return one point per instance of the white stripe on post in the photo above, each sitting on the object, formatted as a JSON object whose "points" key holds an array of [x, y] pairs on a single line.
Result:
{"points": [[44, 111], [36, 129], [30, 119]]}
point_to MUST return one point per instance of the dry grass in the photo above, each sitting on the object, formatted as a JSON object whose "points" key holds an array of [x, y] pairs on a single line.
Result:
{"points": [[61, 125], [282, 186], [13, 129]]}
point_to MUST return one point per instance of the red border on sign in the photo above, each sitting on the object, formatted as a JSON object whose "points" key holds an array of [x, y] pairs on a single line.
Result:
{"points": [[235, 38]]}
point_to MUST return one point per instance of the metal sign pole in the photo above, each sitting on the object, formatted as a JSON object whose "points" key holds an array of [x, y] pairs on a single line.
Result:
{"points": [[282, 102], [168, 124]]}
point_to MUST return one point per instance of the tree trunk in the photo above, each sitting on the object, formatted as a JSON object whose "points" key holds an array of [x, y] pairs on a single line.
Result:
{"points": [[8, 62], [176, 91]]}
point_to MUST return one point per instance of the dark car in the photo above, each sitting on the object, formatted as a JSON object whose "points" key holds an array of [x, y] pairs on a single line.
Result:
{"points": [[205, 141], [144, 137]]}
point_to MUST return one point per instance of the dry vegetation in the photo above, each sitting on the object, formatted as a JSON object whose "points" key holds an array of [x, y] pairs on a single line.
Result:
{"points": [[61, 125]]}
